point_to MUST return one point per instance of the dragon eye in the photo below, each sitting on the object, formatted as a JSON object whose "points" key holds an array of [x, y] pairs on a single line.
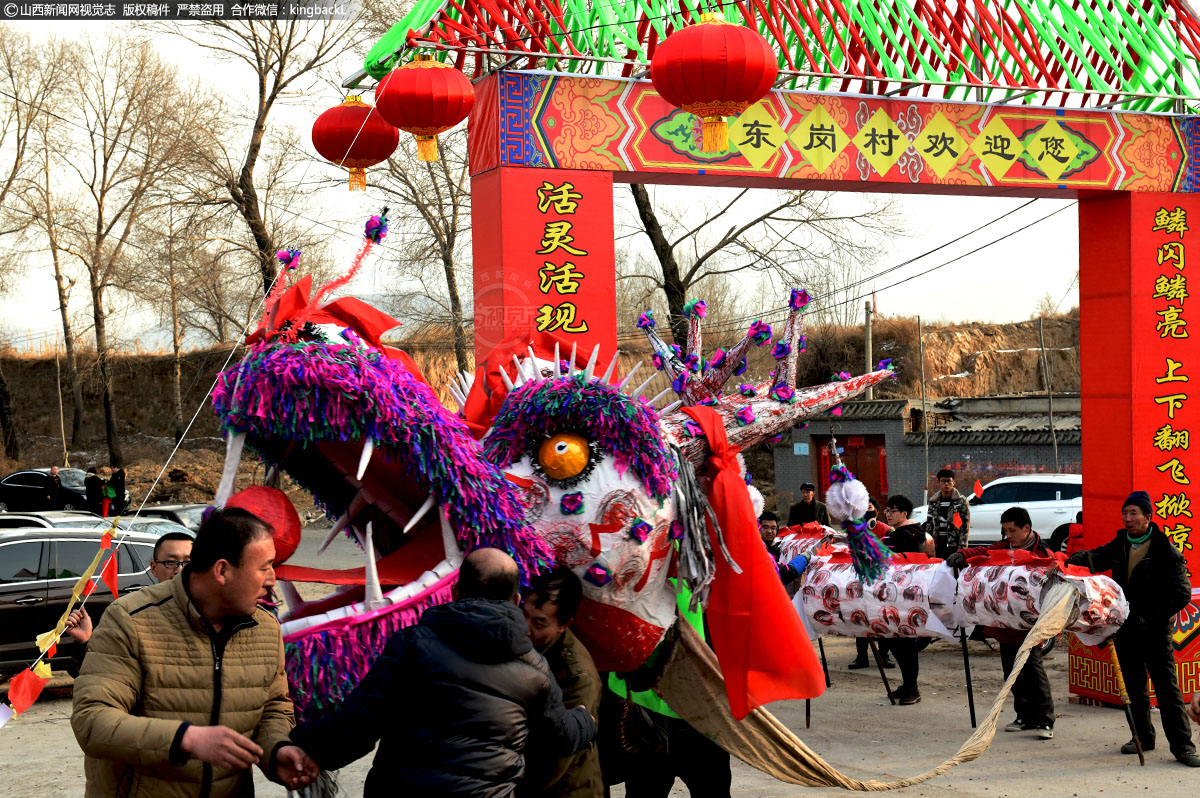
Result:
{"points": [[564, 455]]}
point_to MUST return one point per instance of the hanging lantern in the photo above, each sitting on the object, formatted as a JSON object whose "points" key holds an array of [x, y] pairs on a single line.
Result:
{"points": [[425, 97], [714, 69], [356, 136]]}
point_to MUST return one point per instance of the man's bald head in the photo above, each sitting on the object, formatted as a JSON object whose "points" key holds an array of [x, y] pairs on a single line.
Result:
{"points": [[488, 574]]}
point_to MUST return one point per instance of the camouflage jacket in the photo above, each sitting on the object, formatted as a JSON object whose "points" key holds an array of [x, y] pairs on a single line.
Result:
{"points": [[947, 536]]}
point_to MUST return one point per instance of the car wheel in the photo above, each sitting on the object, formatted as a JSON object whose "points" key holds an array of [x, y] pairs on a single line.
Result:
{"points": [[68, 506], [1058, 540], [1048, 645], [3, 507]]}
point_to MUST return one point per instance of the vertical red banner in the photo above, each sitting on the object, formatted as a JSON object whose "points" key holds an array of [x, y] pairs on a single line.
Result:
{"points": [[1141, 372], [544, 256]]}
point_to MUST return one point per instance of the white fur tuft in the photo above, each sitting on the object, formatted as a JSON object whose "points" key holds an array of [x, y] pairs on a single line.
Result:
{"points": [[847, 500]]}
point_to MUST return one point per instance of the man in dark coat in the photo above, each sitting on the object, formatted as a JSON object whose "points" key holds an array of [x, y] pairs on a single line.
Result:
{"points": [[906, 537], [808, 509], [1153, 575], [93, 488], [549, 606], [451, 701], [1031, 691]]}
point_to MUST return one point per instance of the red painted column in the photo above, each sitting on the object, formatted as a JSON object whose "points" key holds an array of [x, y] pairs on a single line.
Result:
{"points": [[1141, 391], [544, 256]]}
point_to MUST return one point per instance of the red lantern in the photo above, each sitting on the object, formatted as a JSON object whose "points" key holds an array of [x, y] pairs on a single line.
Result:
{"points": [[714, 69], [425, 97], [356, 136]]}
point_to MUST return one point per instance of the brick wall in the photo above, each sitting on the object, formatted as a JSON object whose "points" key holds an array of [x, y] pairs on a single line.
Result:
{"points": [[905, 463]]}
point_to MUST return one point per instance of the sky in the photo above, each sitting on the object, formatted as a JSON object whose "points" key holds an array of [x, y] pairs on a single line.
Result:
{"points": [[1000, 282]]}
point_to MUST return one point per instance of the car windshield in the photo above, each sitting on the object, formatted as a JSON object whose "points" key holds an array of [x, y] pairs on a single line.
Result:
{"points": [[191, 516], [161, 528], [81, 523], [72, 477]]}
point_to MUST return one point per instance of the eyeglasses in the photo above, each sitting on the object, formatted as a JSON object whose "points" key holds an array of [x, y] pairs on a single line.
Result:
{"points": [[172, 565], [889, 509]]}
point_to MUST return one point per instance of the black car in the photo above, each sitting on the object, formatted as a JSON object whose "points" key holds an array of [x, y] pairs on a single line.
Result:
{"points": [[33, 490], [38, 569]]}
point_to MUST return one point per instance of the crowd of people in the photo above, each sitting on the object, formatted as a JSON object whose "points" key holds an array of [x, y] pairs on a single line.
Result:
{"points": [[1148, 567], [183, 688]]}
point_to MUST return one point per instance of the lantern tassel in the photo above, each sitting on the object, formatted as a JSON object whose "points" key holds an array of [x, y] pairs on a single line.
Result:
{"points": [[358, 179], [715, 136], [427, 148]]}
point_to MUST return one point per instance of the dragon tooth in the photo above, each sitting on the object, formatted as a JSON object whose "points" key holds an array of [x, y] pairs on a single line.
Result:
{"points": [[233, 456], [508, 383], [338, 526], [364, 459], [556, 360], [665, 391], [374, 591], [419, 514], [671, 408]]}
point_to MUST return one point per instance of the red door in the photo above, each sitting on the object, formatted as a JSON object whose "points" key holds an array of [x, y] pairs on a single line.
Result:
{"points": [[864, 455]]}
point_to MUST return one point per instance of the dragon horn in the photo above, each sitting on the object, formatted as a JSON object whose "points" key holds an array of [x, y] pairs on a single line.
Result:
{"points": [[770, 416]]}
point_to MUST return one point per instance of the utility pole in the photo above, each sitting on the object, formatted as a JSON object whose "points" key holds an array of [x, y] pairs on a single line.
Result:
{"points": [[924, 414], [1049, 393], [870, 308]]}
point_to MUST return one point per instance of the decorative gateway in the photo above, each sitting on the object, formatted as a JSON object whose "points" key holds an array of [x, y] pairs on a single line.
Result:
{"points": [[557, 464]]}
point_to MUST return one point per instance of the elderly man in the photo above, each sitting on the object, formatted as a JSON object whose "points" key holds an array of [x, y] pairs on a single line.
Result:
{"points": [[183, 688], [452, 700], [1153, 575]]}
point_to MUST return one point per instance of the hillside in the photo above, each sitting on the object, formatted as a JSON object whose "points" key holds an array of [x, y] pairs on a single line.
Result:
{"points": [[961, 360]]}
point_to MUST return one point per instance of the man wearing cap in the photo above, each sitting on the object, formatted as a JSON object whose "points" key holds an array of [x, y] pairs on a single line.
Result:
{"points": [[1153, 575], [808, 509]]}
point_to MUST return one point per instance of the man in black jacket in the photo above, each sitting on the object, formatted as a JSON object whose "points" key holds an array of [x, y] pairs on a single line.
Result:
{"points": [[452, 700], [1153, 575], [808, 509]]}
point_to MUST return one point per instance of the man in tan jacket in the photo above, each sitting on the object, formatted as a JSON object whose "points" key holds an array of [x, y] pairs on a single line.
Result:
{"points": [[183, 688]]}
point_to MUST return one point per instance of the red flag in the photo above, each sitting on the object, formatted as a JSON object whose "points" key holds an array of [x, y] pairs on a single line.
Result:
{"points": [[957, 521], [978, 488], [24, 689], [50, 652], [759, 639], [108, 572], [90, 587], [106, 540]]}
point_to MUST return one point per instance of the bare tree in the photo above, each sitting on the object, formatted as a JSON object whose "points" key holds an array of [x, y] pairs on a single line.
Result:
{"points": [[789, 239], [136, 118], [431, 207], [1045, 307], [283, 56]]}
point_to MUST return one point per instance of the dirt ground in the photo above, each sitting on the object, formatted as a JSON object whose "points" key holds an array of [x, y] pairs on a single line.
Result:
{"points": [[853, 727]]}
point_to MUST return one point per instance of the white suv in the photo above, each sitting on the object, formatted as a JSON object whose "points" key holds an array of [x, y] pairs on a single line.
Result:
{"points": [[1052, 501]]}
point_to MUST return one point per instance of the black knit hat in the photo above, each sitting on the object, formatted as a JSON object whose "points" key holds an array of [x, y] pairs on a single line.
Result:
{"points": [[1139, 498]]}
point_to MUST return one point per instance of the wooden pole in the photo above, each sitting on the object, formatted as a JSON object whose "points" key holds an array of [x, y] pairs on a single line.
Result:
{"points": [[924, 412], [62, 425], [962, 638], [879, 664], [870, 308], [1049, 392]]}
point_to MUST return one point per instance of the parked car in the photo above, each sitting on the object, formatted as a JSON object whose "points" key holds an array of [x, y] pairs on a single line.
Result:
{"points": [[33, 490], [155, 526], [1052, 500], [38, 568], [189, 515], [52, 519]]}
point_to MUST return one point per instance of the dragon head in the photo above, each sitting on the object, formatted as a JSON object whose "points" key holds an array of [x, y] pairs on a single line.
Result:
{"points": [[564, 466]]}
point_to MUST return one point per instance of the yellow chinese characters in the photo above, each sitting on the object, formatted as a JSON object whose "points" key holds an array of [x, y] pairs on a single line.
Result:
{"points": [[559, 317], [563, 199], [1170, 288], [1167, 438], [1173, 325], [557, 235], [1171, 505], [1175, 469], [1180, 535], [1171, 252], [565, 278], [1170, 221]]}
